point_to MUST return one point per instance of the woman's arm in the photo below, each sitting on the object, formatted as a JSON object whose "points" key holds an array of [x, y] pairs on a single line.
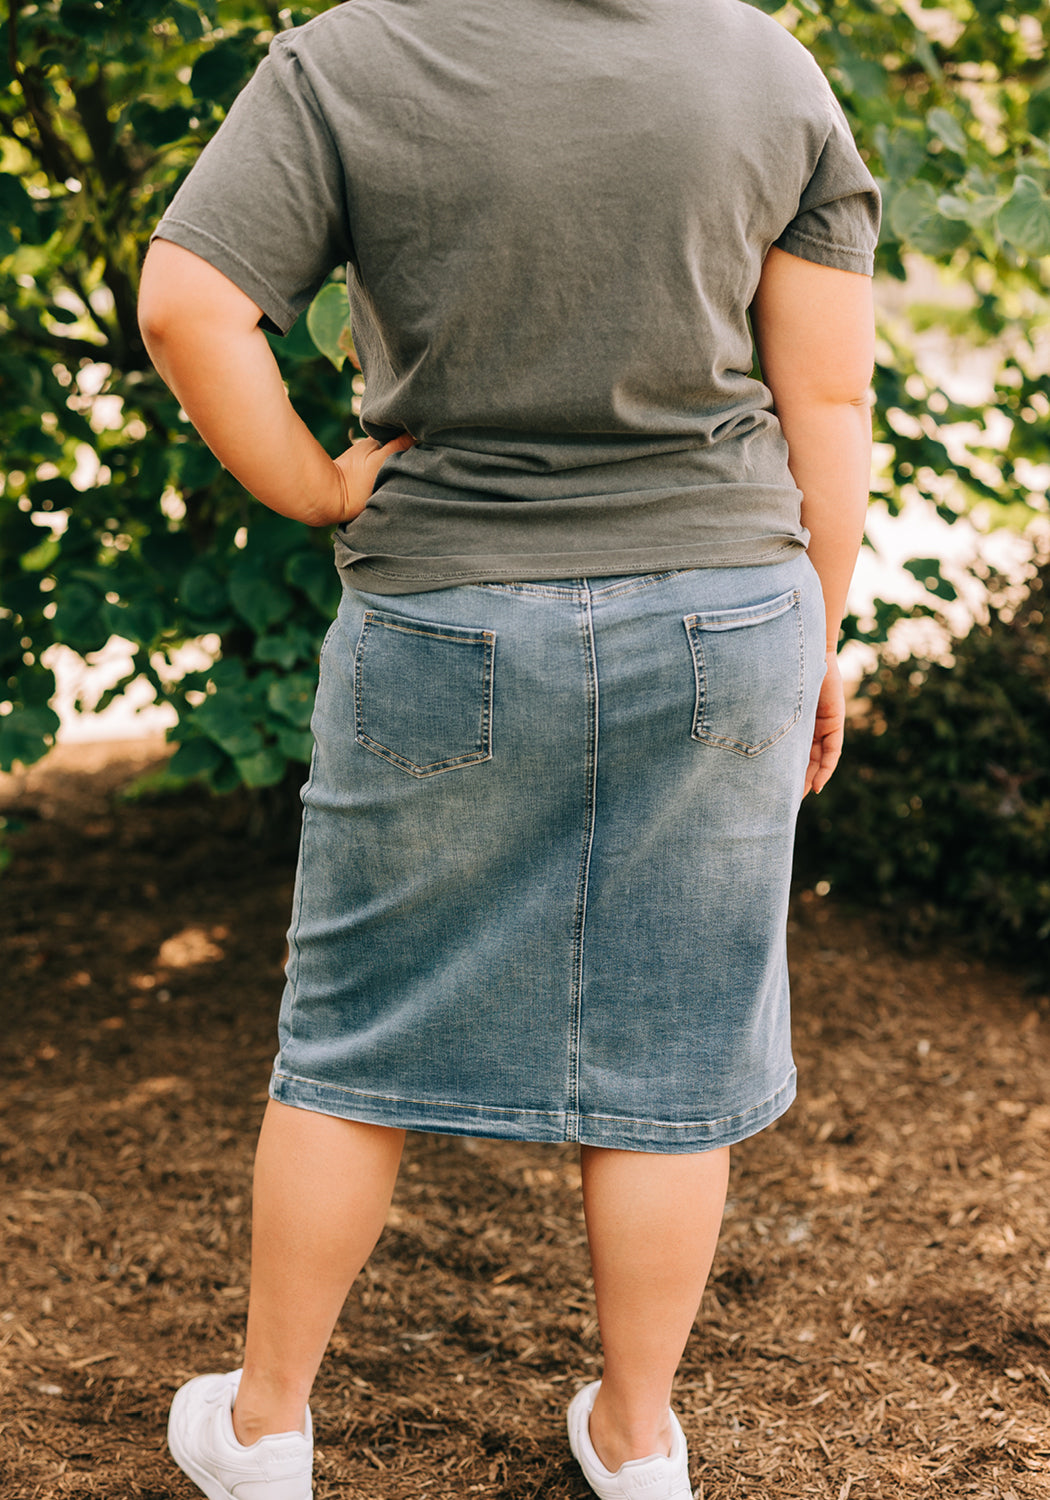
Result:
{"points": [[814, 327], [202, 333]]}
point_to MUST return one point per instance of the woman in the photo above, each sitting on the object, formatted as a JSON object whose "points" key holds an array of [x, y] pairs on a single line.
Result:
{"points": [[584, 669]]}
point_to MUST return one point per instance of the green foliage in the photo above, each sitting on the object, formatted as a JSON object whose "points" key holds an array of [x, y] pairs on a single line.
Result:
{"points": [[115, 520], [941, 806], [328, 324], [952, 110]]}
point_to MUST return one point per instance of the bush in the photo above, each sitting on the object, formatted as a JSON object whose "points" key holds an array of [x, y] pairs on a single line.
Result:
{"points": [[941, 807]]}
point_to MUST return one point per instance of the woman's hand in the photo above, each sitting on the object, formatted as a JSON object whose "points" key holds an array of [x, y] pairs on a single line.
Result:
{"points": [[358, 468], [829, 729]]}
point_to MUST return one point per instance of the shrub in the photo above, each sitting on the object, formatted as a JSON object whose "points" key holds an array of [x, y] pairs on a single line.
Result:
{"points": [[941, 807]]}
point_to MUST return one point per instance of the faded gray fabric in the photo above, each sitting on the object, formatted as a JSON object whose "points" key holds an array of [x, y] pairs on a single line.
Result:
{"points": [[554, 214]]}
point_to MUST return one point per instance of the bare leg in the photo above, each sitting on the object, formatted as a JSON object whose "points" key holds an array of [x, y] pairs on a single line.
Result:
{"points": [[652, 1224], [322, 1191]]}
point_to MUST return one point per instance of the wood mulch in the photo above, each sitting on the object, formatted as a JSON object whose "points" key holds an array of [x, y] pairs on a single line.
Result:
{"points": [[878, 1323]]}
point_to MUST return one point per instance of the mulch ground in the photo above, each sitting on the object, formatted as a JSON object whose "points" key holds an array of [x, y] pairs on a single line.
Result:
{"points": [[878, 1322]]}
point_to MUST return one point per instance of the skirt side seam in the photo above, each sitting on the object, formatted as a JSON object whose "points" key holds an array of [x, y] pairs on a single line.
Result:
{"points": [[583, 876]]}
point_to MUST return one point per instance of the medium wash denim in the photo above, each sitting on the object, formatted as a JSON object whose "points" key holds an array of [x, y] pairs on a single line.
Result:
{"points": [[543, 881]]}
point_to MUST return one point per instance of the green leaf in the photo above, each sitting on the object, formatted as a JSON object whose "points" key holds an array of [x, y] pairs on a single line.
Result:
{"points": [[39, 558], [190, 19], [221, 719], [225, 778], [863, 76], [21, 594], [79, 620], [258, 599], [295, 347], [169, 553], [220, 72], [196, 757], [202, 594], [36, 687], [903, 150], [272, 536], [915, 218], [10, 646], [296, 644], [19, 745], [16, 207], [911, 207], [264, 768], [328, 322], [314, 574], [948, 130], [926, 56], [293, 698], [296, 744], [983, 210], [37, 721], [26, 734], [142, 621], [927, 570], [230, 673], [1024, 219], [84, 21], [196, 467], [159, 127]]}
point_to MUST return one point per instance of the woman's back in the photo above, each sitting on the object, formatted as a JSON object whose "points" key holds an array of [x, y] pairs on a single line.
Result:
{"points": [[555, 217]]}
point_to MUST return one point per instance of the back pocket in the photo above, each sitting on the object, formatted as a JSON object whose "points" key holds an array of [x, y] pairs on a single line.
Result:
{"points": [[748, 665], [423, 693]]}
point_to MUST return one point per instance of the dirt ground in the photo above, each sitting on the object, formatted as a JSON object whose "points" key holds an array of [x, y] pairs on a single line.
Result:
{"points": [[878, 1322]]}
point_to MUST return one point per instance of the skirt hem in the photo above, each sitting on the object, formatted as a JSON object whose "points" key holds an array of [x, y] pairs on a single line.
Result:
{"points": [[614, 1132]]}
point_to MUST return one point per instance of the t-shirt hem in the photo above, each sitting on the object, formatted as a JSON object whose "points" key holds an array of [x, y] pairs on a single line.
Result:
{"points": [[822, 253], [410, 575]]}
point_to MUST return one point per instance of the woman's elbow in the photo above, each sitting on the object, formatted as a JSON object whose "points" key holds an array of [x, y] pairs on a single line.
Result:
{"points": [[839, 387], [158, 306]]}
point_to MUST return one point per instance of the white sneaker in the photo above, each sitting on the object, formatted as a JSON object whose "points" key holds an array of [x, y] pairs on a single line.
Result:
{"points": [[203, 1444], [653, 1478]]}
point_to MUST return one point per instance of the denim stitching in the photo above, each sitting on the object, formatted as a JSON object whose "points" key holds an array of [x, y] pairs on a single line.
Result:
{"points": [[545, 1114], [576, 589], [720, 1120], [484, 638], [490, 1109], [583, 877], [570, 592], [757, 616], [624, 586]]}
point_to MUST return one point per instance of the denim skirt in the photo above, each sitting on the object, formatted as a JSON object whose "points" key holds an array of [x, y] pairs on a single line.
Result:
{"points": [[543, 880]]}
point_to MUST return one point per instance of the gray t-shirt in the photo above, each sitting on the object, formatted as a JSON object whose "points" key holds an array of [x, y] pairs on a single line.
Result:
{"points": [[554, 215]]}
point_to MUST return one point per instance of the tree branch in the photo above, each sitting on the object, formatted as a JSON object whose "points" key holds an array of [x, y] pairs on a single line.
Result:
{"points": [[108, 157], [54, 154], [62, 344]]}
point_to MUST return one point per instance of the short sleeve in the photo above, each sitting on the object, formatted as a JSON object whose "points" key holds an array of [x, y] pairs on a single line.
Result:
{"points": [[837, 223], [265, 202]]}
